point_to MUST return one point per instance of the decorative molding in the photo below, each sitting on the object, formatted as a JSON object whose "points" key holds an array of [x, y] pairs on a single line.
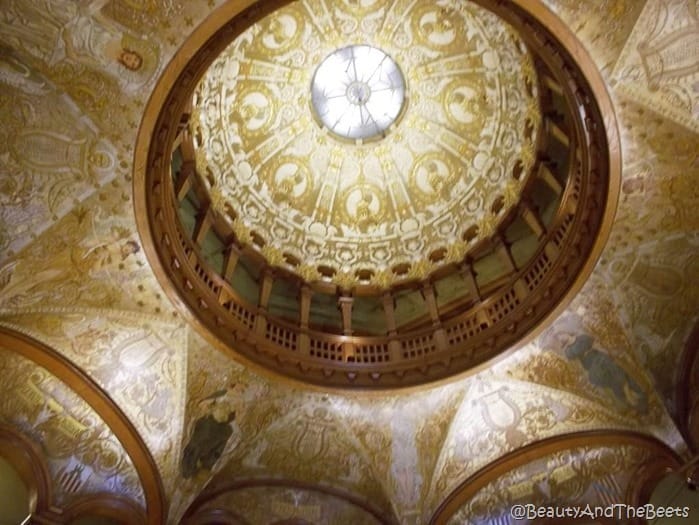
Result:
{"points": [[687, 391], [194, 511], [105, 407], [26, 458], [660, 454], [105, 505]]}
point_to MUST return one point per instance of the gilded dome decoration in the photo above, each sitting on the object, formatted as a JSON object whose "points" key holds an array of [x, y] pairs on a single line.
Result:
{"points": [[348, 252], [164, 359], [446, 109]]}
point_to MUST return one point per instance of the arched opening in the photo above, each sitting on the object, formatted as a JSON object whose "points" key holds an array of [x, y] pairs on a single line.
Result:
{"points": [[15, 501]]}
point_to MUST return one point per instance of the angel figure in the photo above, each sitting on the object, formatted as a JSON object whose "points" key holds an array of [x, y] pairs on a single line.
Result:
{"points": [[92, 39]]}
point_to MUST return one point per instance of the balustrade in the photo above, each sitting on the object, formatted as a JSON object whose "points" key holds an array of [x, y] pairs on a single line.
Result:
{"points": [[495, 315]]}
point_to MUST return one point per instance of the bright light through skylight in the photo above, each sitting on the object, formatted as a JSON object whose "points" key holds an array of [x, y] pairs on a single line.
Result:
{"points": [[358, 92]]}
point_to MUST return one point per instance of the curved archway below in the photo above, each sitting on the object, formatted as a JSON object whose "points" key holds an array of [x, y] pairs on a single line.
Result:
{"points": [[661, 458], [210, 501], [99, 401]]}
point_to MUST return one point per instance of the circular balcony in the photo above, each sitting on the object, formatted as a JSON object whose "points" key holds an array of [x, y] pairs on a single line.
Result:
{"points": [[467, 299]]}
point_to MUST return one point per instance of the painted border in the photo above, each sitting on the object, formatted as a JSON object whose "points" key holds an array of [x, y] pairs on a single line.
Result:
{"points": [[468, 488], [98, 399]]}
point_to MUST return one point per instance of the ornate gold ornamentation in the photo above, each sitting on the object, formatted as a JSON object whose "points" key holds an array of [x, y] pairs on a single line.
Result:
{"points": [[659, 63], [267, 153], [74, 438]]}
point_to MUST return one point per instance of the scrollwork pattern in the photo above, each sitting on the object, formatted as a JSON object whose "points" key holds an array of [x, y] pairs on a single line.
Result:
{"points": [[466, 101], [81, 451]]}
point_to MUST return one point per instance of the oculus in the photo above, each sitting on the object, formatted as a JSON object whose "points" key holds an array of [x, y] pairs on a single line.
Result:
{"points": [[358, 92], [333, 258]]}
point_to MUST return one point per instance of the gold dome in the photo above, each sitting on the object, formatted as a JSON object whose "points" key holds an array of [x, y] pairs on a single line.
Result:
{"points": [[388, 262], [360, 208], [107, 383]]}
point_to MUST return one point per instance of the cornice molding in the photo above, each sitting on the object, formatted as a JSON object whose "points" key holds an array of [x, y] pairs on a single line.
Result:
{"points": [[687, 390], [26, 458]]}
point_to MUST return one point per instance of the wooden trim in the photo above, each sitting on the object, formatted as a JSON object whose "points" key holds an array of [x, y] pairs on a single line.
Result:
{"points": [[231, 256], [468, 488], [85, 387], [532, 219], [345, 303], [27, 459], [646, 479], [184, 180], [686, 393], [549, 179], [216, 490], [202, 225], [106, 505]]}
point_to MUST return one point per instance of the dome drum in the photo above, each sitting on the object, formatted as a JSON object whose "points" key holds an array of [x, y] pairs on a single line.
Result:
{"points": [[352, 331]]}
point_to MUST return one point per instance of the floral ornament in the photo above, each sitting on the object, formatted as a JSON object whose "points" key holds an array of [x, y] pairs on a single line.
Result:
{"points": [[309, 273], [383, 278], [274, 255], [344, 280], [242, 232]]}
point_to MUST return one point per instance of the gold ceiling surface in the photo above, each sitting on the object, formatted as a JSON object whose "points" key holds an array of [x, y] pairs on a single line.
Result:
{"points": [[470, 116], [639, 304]]}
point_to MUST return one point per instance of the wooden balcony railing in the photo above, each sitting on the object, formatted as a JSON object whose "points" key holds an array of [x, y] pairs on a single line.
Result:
{"points": [[493, 321]]}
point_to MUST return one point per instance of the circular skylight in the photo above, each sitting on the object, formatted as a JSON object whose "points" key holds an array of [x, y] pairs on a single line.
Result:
{"points": [[358, 92]]}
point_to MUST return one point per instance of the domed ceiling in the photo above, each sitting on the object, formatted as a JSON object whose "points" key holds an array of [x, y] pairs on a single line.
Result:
{"points": [[322, 198], [74, 275], [403, 186]]}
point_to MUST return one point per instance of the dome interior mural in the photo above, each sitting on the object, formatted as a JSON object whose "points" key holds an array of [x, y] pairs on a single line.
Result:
{"points": [[340, 261]]}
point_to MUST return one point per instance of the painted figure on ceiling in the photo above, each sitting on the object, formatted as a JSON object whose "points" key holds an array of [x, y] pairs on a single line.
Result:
{"points": [[57, 32], [604, 372], [93, 40], [669, 51], [17, 75], [33, 25], [211, 433]]}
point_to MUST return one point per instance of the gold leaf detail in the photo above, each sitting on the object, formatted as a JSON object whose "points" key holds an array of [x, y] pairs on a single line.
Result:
{"points": [[420, 269], [309, 273], [487, 225], [274, 255], [345, 280], [242, 232], [382, 278]]}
